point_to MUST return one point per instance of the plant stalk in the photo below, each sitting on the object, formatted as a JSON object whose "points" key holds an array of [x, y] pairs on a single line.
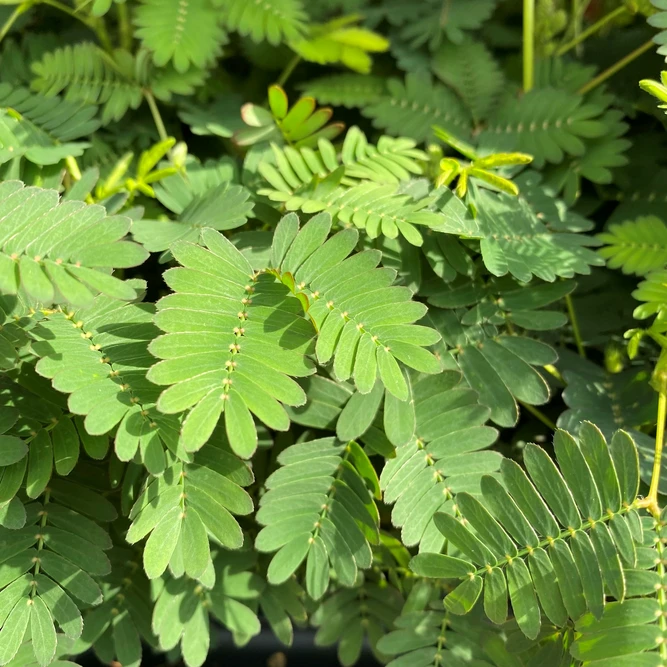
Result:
{"points": [[575, 326], [616, 67], [289, 68], [124, 27], [538, 414], [652, 500], [20, 9], [528, 44], [591, 30], [155, 112]]}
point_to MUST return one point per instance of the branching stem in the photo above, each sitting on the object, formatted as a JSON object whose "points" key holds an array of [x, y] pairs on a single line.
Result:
{"points": [[616, 67], [20, 9], [591, 30]]}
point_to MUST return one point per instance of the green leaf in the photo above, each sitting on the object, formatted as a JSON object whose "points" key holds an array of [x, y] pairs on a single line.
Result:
{"points": [[13, 631], [495, 596], [195, 547], [522, 596], [162, 542], [12, 449], [440, 566], [463, 598], [42, 632]]}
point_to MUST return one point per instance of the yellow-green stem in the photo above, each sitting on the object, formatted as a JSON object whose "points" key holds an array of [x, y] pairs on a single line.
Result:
{"points": [[652, 499], [20, 9], [616, 67], [591, 30], [289, 68], [528, 44], [538, 414], [575, 326], [124, 27], [157, 118]]}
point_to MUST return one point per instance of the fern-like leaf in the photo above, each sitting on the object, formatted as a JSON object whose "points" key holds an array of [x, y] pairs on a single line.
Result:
{"points": [[45, 128], [378, 209], [233, 339], [636, 246], [203, 211], [547, 124], [472, 72], [557, 536], [348, 90], [99, 355], [351, 617], [185, 32], [275, 21], [411, 109], [179, 510], [292, 170], [364, 324], [443, 457], [515, 241], [318, 509], [86, 76], [61, 251], [500, 368]]}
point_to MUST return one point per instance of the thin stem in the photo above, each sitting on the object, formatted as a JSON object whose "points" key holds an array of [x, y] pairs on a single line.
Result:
{"points": [[528, 44], [289, 68], [610, 71], [591, 30], [20, 9], [73, 168], [124, 27], [657, 458], [42, 525], [538, 414], [157, 118], [575, 326]]}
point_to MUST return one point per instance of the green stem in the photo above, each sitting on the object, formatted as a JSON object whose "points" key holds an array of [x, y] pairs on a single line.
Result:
{"points": [[575, 326], [662, 593], [42, 525], [591, 30], [610, 71], [20, 9], [528, 44], [657, 458], [155, 112], [124, 27], [539, 415], [289, 68]]}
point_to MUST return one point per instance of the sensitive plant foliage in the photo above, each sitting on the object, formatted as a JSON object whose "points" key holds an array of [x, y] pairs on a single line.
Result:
{"points": [[328, 317]]}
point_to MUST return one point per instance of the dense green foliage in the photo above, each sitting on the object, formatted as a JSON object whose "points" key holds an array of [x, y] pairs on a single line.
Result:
{"points": [[288, 292]]}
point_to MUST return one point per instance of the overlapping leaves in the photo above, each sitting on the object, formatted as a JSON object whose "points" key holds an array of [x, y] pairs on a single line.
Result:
{"points": [[319, 508], [443, 456], [185, 506], [364, 323], [61, 251], [234, 338], [553, 541], [99, 356], [49, 561]]}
